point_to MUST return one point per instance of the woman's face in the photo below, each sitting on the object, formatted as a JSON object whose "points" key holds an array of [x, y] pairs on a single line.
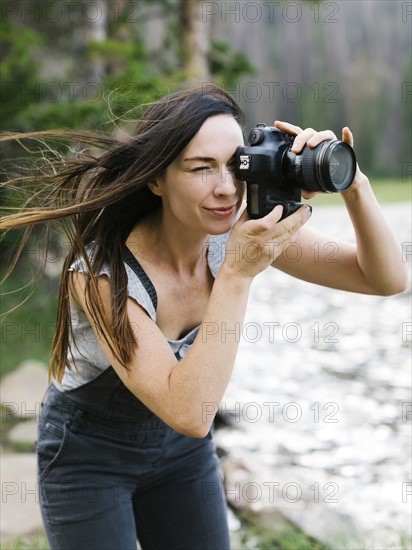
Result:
{"points": [[199, 190]]}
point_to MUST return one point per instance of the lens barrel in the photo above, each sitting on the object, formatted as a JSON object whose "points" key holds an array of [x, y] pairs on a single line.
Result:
{"points": [[329, 168]]}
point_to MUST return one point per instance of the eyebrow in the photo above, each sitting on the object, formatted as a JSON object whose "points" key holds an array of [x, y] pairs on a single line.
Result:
{"points": [[203, 159], [206, 159]]}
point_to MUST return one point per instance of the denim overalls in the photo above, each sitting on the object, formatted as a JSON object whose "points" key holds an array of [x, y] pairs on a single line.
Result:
{"points": [[111, 472]]}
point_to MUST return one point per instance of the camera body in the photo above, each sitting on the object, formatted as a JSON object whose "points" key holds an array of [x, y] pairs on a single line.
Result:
{"points": [[274, 175]]}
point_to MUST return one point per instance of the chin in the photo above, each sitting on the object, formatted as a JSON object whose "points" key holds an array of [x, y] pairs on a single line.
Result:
{"points": [[220, 229]]}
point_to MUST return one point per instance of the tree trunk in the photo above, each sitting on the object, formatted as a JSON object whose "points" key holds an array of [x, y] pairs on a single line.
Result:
{"points": [[195, 40], [93, 29]]}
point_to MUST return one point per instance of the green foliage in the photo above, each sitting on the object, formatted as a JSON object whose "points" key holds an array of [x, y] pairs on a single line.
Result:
{"points": [[406, 112], [97, 105], [29, 542], [130, 78], [227, 65], [18, 71], [255, 534], [93, 104], [31, 102], [28, 330]]}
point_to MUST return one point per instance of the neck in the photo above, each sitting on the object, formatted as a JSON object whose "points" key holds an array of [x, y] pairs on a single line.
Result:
{"points": [[164, 242]]}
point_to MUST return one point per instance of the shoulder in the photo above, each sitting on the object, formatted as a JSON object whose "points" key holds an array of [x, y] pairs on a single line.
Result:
{"points": [[80, 263], [139, 288]]}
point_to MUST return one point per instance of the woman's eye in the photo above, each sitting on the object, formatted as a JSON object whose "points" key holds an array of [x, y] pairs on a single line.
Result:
{"points": [[202, 169]]}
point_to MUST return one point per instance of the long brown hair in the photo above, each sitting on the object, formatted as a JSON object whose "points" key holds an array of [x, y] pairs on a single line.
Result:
{"points": [[99, 198]]}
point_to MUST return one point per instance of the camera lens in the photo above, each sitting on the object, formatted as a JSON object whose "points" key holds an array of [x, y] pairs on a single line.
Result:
{"points": [[330, 167]]}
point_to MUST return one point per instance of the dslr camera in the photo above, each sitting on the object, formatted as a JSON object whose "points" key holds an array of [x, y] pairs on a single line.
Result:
{"points": [[274, 175]]}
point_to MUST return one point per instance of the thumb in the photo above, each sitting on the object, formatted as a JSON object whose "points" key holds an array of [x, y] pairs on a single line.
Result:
{"points": [[242, 215], [242, 209], [275, 214], [347, 136]]}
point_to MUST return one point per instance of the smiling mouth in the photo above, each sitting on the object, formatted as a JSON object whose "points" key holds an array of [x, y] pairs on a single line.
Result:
{"points": [[222, 210]]}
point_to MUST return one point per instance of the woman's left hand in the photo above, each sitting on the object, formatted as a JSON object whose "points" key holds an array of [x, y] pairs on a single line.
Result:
{"points": [[311, 138], [373, 265]]}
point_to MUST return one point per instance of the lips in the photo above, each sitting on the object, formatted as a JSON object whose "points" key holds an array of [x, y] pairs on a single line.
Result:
{"points": [[222, 211], [223, 208]]}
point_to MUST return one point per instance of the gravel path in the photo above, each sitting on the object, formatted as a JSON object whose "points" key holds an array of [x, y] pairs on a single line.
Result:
{"points": [[320, 404]]}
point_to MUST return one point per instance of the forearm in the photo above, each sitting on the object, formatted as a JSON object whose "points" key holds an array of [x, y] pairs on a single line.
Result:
{"points": [[201, 377], [185, 394], [378, 253]]}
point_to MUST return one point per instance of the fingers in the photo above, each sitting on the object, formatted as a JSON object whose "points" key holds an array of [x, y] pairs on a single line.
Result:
{"points": [[295, 221], [265, 224], [262, 240], [311, 138], [347, 136], [288, 128], [274, 216], [242, 215], [308, 194], [285, 232], [269, 227]]}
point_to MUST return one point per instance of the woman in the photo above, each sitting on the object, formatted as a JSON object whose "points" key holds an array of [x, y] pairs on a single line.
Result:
{"points": [[125, 448]]}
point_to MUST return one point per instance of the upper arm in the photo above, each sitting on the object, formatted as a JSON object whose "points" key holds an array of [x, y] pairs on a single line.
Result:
{"points": [[325, 261], [147, 373]]}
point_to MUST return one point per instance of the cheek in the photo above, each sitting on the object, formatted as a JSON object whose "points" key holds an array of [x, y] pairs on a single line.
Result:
{"points": [[186, 193]]}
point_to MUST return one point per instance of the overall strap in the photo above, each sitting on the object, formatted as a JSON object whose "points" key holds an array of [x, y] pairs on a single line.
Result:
{"points": [[132, 262]]}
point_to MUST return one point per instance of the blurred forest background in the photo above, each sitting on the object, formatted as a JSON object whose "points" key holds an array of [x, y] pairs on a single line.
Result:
{"points": [[93, 64], [321, 64]]}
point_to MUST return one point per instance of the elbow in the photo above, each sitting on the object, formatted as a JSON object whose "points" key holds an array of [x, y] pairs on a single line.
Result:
{"points": [[191, 425], [404, 283], [191, 416], [394, 287], [394, 283], [395, 290], [401, 284], [197, 430]]}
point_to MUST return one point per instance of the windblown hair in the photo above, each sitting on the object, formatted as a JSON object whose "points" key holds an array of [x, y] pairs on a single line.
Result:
{"points": [[99, 198]]}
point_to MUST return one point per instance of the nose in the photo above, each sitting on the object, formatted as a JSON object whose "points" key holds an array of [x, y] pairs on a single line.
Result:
{"points": [[226, 182]]}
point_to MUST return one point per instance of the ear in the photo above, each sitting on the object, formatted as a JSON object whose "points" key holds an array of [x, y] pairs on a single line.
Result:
{"points": [[155, 188]]}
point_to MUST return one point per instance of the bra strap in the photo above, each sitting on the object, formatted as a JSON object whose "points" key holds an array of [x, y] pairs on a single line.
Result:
{"points": [[132, 262]]}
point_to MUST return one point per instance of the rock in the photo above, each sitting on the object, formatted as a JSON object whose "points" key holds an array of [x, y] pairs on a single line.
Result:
{"points": [[22, 390], [24, 433], [319, 404], [283, 495], [329, 526], [20, 510]]}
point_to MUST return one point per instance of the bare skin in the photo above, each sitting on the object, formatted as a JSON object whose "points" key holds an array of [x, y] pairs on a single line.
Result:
{"points": [[372, 266], [200, 197]]}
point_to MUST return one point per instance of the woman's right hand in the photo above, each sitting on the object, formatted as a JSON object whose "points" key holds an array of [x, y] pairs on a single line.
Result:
{"points": [[254, 244]]}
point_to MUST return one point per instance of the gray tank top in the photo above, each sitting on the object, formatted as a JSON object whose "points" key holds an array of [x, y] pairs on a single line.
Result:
{"points": [[86, 358]]}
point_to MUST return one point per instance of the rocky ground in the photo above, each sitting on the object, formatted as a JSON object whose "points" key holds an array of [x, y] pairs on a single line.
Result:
{"points": [[21, 395], [319, 407], [318, 412]]}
